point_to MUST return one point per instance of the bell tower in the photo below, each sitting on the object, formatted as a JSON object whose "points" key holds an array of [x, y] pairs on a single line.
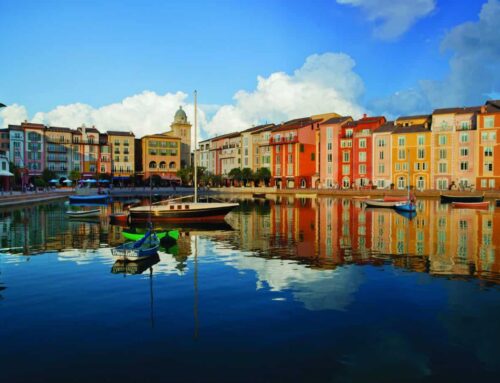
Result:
{"points": [[182, 128]]}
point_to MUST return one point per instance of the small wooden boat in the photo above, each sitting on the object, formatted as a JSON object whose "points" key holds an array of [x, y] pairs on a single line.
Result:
{"points": [[83, 213], [118, 219], [461, 198], [381, 203], [146, 247], [92, 198], [470, 205], [134, 267], [395, 198], [172, 235], [407, 207], [259, 195]]}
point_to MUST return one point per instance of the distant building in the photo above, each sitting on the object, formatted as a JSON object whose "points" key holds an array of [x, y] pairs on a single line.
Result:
{"points": [[122, 147], [182, 128], [488, 164], [160, 156]]}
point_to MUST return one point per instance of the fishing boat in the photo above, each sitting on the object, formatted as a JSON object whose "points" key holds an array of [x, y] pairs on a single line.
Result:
{"points": [[175, 210], [172, 235], [83, 213], [146, 247], [381, 203], [470, 205], [445, 198]]}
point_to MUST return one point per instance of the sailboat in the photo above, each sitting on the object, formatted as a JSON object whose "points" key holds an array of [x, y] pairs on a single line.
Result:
{"points": [[145, 247], [408, 206], [178, 210]]}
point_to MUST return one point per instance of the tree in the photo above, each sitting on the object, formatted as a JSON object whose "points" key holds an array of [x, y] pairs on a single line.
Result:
{"points": [[48, 175], [17, 173], [75, 175], [185, 174], [235, 174], [264, 175], [246, 175]]}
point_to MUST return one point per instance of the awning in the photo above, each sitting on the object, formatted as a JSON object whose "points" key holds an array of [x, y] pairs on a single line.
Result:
{"points": [[54, 181], [5, 173], [123, 178]]}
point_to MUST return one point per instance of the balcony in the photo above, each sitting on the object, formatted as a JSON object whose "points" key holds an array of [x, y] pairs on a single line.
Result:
{"points": [[283, 140], [58, 140]]}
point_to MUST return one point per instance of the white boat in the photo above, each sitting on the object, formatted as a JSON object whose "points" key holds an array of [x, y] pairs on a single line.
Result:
{"points": [[83, 213], [382, 203], [177, 210]]}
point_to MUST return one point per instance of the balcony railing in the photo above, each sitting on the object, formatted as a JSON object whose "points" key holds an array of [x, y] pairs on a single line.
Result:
{"points": [[283, 140]]}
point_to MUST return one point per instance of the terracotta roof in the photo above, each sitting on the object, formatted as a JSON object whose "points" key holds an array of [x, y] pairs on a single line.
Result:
{"points": [[227, 135], [265, 129], [58, 129], [295, 124], [418, 128], [31, 125], [417, 117], [387, 127], [457, 110], [92, 130], [255, 128], [120, 133], [365, 120], [336, 120], [76, 132]]}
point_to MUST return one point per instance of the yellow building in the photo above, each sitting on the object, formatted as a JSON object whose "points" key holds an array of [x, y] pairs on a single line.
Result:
{"points": [[161, 155], [411, 153], [122, 145]]}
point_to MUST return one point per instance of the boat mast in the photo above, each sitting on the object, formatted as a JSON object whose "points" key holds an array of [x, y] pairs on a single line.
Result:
{"points": [[195, 141]]}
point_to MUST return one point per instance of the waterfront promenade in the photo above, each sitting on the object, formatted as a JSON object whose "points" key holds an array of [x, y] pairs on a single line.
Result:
{"points": [[16, 198]]}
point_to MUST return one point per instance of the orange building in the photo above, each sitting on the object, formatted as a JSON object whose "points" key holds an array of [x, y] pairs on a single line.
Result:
{"points": [[488, 125], [160, 156], [294, 153]]}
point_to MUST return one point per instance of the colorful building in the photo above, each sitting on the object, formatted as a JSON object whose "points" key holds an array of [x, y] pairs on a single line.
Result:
{"points": [[382, 155], [488, 163], [261, 147], [59, 151], [160, 154], [294, 153], [181, 128], [329, 136], [122, 146], [34, 156]]}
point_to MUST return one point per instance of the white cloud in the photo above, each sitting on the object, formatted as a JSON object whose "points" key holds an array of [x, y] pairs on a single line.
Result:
{"points": [[325, 83], [13, 114], [392, 18]]}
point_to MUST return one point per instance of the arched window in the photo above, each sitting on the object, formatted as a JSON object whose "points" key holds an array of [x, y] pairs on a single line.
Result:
{"points": [[163, 165], [401, 182], [303, 183], [171, 165], [152, 165], [420, 183], [346, 183]]}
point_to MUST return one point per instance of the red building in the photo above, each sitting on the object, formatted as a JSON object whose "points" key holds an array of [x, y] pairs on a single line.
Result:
{"points": [[293, 146], [355, 151]]}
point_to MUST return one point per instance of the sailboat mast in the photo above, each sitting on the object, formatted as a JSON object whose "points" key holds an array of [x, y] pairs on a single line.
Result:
{"points": [[195, 167]]}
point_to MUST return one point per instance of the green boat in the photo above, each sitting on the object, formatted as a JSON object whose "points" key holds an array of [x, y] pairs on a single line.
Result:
{"points": [[170, 234]]}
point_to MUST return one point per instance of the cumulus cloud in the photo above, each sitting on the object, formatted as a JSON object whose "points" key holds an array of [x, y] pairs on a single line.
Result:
{"points": [[473, 75], [325, 83], [13, 114], [392, 18]]}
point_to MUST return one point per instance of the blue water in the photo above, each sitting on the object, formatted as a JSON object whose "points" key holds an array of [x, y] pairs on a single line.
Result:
{"points": [[217, 311]]}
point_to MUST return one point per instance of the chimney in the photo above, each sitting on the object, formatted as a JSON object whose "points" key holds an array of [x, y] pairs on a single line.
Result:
{"points": [[364, 115]]}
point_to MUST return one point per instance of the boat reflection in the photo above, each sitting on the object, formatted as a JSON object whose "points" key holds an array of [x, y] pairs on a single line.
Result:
{"points": [[134, 267]]}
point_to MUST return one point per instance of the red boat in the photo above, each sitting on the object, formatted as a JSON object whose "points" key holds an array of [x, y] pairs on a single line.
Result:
{"points": [[470, 205], [395, 198], [120, 219]]}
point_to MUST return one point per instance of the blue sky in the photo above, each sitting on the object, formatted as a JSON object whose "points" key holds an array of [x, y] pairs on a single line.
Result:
{"points": [[79, 62]]}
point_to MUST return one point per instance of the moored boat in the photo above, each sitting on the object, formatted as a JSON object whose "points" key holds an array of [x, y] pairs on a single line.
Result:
{"points": [[395, 198], [83, 213], [407, 207], [172, 235], [446, 198], [146, 247], [470, 205], [259, 195], [118, 219], [92, 198], [381, 203]]}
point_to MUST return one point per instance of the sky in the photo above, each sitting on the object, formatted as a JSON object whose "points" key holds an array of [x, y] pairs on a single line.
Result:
{"points": [[129, 65]]}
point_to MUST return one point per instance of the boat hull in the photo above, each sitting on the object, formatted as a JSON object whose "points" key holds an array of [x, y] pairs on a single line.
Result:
{"points": [[97, 198], [381, 203], [406, 207], [470, 205], [395, 198], [461, 198], [182, 213], [84, 214], [171, 234]]}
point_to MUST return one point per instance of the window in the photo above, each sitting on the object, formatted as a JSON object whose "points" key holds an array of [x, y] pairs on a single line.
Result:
{"points": [[488, 122], [362, 169], [289, 170], [464, 165], [397, 166], [362, 143], [417, 166], [362, 156], [345, 157], [348, 132], [381, 168], [289, 158], [405, 166], [488, 151], [329, 157], [401, 141], [152, 165], [329, 146], [329, 133], [313, 156], [289, 149], [464, 137], [464, 152], [402, 154], [442, 139], [401, 182], [493, 136], [442, 184], [381, 155], [465, 125], [491, 183], [421, 140], [420, 153], [442, 168], [302, 148], [278, 148], [442, 154], [483, 183], [484, 136], [488, 167], [345, 169], [381, 142]]}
